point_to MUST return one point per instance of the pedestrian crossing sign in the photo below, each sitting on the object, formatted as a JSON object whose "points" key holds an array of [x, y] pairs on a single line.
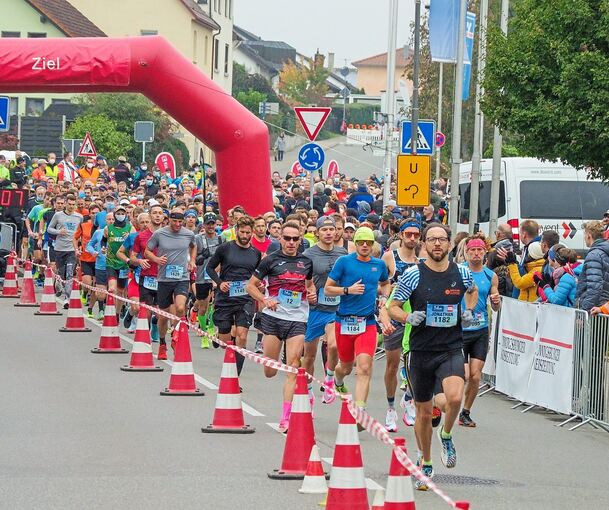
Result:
{"points": [[426, 140]]}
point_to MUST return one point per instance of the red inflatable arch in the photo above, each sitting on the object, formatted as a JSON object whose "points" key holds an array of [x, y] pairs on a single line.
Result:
{"points": [[151, 66]]}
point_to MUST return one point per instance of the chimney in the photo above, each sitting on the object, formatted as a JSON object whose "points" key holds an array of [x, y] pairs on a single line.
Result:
{"points": [[331, 62], [318, 59]]}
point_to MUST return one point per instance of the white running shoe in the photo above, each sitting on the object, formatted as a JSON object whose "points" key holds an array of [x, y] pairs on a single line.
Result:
{"points": [[391, 420], [410, 412]]}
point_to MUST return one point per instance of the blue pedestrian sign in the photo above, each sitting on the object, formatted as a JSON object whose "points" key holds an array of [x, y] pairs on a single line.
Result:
{"points": [[311, 157], [426, 141], [4, 103]]}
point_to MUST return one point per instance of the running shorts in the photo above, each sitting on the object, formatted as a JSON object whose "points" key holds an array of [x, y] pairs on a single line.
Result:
{"points": [[227, 315], [316, 326], [393, 341], [426, 368], [475, 345], [202, 290], [281, 328], [87, 268], [351, 346]]}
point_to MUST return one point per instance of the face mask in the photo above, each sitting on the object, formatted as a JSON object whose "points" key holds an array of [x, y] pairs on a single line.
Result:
{"points": [[109, 206], [148, 182], [89, 165], [156, 174], [144, 168], [119, 217], [51, 161]]}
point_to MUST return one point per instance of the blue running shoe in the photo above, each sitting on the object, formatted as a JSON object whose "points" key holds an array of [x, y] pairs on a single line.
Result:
{"points": [[448, 452], [154, 332]]}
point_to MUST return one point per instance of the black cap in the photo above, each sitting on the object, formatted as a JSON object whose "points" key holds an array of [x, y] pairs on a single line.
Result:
{"points": [[210, 217]]}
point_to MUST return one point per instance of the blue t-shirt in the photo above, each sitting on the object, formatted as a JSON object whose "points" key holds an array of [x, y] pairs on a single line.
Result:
{"points": [[483, 281], [348, 270], [128, 244], [100, 219]]}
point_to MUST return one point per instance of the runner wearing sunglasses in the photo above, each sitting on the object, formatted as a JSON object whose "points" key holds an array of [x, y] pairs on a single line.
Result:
{"points": [[357, 279]]}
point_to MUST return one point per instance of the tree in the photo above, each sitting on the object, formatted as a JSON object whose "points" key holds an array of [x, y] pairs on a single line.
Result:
{"points": [[548, 81], [251, 99], [108, 140], [303, 86]]}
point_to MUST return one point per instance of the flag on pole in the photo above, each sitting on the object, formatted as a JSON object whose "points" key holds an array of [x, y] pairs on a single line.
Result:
{"points": [[470, 26], [443, 30]]}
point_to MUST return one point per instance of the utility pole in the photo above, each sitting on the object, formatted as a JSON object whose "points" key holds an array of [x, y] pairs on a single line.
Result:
{"points": [[474, 193], [439, 128], [390, 97], [414, 131], [497, 146], [453, 210]]}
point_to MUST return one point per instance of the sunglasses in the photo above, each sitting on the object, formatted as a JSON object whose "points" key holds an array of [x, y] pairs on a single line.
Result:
{"points": [[414, 235], [294, 239], [362, 243]]}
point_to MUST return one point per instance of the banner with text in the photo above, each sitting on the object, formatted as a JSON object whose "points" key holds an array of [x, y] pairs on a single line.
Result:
{"points": [[490, 366]]}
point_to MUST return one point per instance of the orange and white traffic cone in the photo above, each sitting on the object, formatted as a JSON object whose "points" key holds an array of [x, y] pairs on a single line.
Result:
{"points": [[141, 353], [347, 486], [75, 321], [48, 303], [378, 503], [315, 479], [109, 341], [10, 288], [182, 379], [301, 435], [28, 296], [399, 495], [228, 414]]}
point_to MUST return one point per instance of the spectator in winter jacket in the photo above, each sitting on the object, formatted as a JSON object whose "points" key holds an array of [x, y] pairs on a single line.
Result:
{"points": [[593, 283], [565, 271], [360, 195], [533, 262]]}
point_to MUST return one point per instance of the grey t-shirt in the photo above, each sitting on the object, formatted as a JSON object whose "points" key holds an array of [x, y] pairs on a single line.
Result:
{"points": [[176, 247], [210, 244], [68, 221], [323, 262]]}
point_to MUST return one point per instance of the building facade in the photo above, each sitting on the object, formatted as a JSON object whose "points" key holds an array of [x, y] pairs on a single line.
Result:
{"points": [[372, 73]]}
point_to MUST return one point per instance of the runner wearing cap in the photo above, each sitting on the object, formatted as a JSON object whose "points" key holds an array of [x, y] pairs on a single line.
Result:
{"points": [[398, 261], [322, 315], [207, 243], [435, 289], [286, 306], [175, 255], [357, 278]]}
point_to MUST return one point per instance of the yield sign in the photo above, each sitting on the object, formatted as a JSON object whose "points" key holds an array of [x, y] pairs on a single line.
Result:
{"points": [[312, 119], [87, 149]]}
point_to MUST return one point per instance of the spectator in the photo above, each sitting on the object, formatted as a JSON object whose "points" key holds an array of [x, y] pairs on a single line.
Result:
{"points": [[52, 168], [533, 261], [121, 171], [565, 271], [503, 232], [67, 169], [320, 199], [549, 238], [5, 174], [280, 146], [429, 215], [361, 195], [593, 283]]}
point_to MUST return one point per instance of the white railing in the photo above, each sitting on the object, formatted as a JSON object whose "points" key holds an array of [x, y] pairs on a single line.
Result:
{"points": [[368, 136]]}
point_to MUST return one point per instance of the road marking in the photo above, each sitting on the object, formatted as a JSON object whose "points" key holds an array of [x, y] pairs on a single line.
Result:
{"points": [[208, 384], [275, 427]]}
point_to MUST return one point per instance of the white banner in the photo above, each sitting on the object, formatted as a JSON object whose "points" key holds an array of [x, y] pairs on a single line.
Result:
{"points": [[516, 347], [551, 379], [489, 364]]}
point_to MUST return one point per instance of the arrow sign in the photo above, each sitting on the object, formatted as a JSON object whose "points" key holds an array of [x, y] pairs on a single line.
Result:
{"points": [[312, 119], [311, 157], [87, 149]]}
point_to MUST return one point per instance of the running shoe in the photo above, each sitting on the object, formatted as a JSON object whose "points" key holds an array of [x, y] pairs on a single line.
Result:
{"points": [[100, 315], [162, 352], [436, 416], [465, 420], [204, 342], [342, 389], [420, 485], [83, 299], [132, 326], [410, 411], [90, 314], [391, 420], [154, 332], [193, 317], [258, 348], [66, 304], [404, 383], [448, 454], [329, 395]]}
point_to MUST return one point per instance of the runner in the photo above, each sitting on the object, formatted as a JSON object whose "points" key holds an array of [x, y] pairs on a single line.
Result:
{"points": [[322, 315], [476, 336], [435, 289], [357, 278], [95, 248], [87, 261], [176, 253], [398, 261], [286, 306], [207, 243], [233, 307], [260, 240]]}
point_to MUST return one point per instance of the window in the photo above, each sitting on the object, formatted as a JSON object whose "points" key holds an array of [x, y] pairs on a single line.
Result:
{"points": [[226, 50], [216, 54], [34, 106], [149, 32], [36, 35], [11, 34], [484, 202], [563, 200], [13, 106]]}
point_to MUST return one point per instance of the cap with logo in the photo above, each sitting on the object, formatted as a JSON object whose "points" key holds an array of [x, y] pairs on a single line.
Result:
{"points": [[210, 218], [349, 225], [325, 221]]}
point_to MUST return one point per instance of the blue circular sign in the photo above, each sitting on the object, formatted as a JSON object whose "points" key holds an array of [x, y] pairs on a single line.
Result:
{"points": [[311, 157]]}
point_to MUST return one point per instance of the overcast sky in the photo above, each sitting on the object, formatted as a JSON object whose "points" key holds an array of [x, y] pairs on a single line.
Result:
{"points": [[352, 29]]}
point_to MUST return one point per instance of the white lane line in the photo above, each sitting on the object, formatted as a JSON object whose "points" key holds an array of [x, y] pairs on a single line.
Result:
{"points": [[275, 427], [208, 384]]}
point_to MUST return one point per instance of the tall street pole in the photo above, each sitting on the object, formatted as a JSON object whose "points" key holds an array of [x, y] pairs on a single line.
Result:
{"points": [[390, 97], [414, 131], [453, 209], [497, 145], [474, 194], [439, 126]]}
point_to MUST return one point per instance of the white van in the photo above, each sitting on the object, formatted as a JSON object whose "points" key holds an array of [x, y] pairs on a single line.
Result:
{"points": [[557, 196]]}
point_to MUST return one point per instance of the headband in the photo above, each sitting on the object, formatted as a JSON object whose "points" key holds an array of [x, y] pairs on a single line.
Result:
{"points": [[410, 224], [176, 216], [554, 255], [475, 243]]}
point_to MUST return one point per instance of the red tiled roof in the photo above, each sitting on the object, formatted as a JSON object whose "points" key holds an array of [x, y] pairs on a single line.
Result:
{"points": [[67, 18], [381, 60], [200, 15]]}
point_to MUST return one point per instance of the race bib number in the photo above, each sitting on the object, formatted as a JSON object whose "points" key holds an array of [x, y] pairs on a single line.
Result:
{"points": [[174, 272], [352, 325], [322, 299], [123, 273], [479, 322], [442, 316], [151, 283], [290, 298], [237, 288]]}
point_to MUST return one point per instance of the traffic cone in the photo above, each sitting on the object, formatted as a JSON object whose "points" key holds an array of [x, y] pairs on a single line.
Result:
{"points": [[315, 479], [399, 494], [48, 303], [141, 354], [378, 503], [301, 435], [462, 504], [9, 288], [109, 342], [182, 379], [28, 298], [228, 415], [75, 321], [347, 486]]}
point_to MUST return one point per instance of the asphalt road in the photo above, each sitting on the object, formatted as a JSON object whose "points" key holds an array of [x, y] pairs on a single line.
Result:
{"points": [[76, 432]]}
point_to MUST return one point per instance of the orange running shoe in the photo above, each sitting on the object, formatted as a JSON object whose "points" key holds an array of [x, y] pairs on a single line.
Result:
{"points": [[162, 352]]}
